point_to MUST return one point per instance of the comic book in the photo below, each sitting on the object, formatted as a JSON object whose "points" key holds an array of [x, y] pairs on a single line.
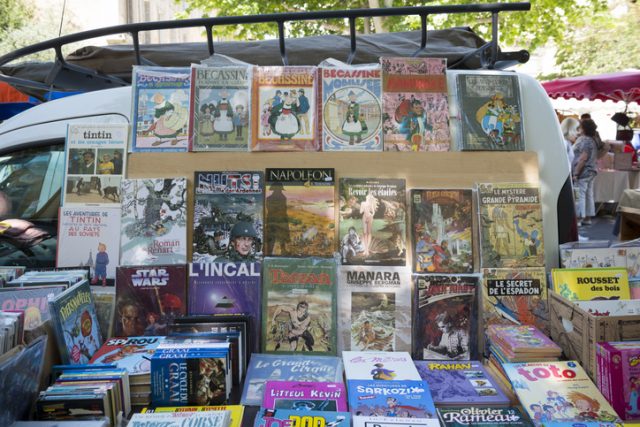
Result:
{"points": [[489, 111], [460, 383], [236, 412], [104, 298], [482, 417], [160, 108], [95, 162], [148, 298], [287, 367], [34, 300], [284, 109], [522, 340], [610, 307], [374, 308], [445, 317], [591, 283], [154, 221], [305, 396], [90, 237], [228, 208], [510, 226], [515, 296], [182, 418], [372, 221], [573, 255], [379, 365], [378, 398], [299, 212], [75, 324], [618, 376], [362, 421], [442, 231], [288, 417], [219, 102], [415, 106], [299, 305], [132, 353], [558, 391], [351, 108]]}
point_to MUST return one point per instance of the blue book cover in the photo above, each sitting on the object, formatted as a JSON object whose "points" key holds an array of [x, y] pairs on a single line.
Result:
{"points": [[132, 353], [379, 398], [289, 417], [263, 367]]}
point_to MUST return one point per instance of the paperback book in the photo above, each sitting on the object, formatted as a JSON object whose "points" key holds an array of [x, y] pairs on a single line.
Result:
{"points": [[236, 412], [404, 399], [295, 417], [483, 417], [33, 300], [131, 353], [182, 418], [591, 283], [362, 421], [305, 396], [379, 365], [618, 376]]}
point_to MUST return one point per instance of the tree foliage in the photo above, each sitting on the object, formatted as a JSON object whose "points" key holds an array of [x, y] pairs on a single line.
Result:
{"points": [[13, 15]]}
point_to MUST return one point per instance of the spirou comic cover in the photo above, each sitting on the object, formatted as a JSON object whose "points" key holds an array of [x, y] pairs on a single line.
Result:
{"points": [[415, 106], [372, 221], [299, 212], [148, 298], [490, 112], [228, 216], [515, 296], [160, 108], [374, 309], [351, 108], [284, 109], [299, 306], [511, 234], [154, 221], [219, 101], [442, 231], [445, 320]]}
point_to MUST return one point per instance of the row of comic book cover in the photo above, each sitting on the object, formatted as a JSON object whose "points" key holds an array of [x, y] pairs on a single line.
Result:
{"points": [[400, 104]]}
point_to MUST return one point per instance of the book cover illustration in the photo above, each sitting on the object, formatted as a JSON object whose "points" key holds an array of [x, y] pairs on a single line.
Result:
{"points": [[404, 399], [460, 383], [483, 417], [379, 365], [305, 396], [95, 156], [610, 283], [280, 367], [160, 109], [610, 307], [154, 221], [510, 226], [34, 300], [593, 257], [148, 298], [228, 216], [284, 108], [372, 221], [558, 392], [130, 353], [415, 107], [522, 339], [511, 296], [181, 418], [374, 308], [104, 298], [445, 325], [299, 212], [363, 421], [219, 103], [490, 112], [351, 109], [299, 305], [236, 412], [75, 324], [442, 231], [618, 376], [288, 417], [90, 237]]}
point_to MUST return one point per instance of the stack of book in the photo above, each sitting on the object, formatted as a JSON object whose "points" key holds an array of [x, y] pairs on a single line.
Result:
{"points": [[58, 277], [11, 329]]}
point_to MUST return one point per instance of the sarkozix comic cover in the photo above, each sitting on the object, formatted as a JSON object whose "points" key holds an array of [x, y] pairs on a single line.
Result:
{"points": [[299, 306], [415, 106], [372, 221], [299, 212], [227, 217], [441, 224], [511, 232]]}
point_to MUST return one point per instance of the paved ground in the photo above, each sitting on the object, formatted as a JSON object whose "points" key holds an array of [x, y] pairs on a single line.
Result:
{"points": [[602, 226]]}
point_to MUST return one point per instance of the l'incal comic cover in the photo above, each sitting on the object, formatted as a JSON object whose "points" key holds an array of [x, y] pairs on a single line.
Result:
{"points": [[299, 305], [228, 216], [445, 324], [372, 221], [403, 399], [299, 212], [442, 231], [511, 234], [351, 108], [374, 311], [154, 221]]}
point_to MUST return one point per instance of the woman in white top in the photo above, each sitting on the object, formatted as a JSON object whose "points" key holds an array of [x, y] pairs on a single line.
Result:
{"points": [[570, 131]]}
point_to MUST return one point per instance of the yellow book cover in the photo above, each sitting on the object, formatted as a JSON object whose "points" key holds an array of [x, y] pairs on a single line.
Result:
{"points": [[235, 411], [586, 284]]}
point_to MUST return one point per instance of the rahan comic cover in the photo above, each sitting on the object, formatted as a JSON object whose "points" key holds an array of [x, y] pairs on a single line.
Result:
{"points": [[415, 106], [442, 231], [299, 212], [372, 221]]}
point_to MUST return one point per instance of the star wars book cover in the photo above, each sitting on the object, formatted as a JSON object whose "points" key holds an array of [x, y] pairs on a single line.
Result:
{"points": [[442, 231], [228, 216], [415, 106], [445, 320], [372, 221], [299, 306], [300, 212]]}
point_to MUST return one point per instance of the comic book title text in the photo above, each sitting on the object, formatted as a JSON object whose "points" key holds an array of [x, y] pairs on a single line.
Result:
{"points": [[479, 415], [80, 299], [306, 394], [511, 196], [449, 366], [386, 391], [229, 182], [301, 79], [178, 382], [84, 223], [377, 191], [361, 79], [224, 269], [300, 175], [162, 247], [281, 277], [229, 76], [514, 287], [550, 371], [150, 277], [295, 366], [373, 278]]}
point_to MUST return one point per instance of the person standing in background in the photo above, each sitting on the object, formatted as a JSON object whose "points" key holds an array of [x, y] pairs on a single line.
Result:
{"points": [[570, 133], [584, 170]]}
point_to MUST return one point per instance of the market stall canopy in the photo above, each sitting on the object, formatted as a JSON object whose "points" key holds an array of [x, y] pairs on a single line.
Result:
{"points": [[621, 86]]}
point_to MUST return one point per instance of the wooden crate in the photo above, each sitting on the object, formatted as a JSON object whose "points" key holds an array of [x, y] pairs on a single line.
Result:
{"points": [[577, 331]]}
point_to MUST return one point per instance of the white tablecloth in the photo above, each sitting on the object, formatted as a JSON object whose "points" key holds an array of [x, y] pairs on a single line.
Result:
{"points": [[609, 185]]}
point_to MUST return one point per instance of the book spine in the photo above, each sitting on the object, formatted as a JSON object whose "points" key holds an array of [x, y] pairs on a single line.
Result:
{"points": [[616, 379]]}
